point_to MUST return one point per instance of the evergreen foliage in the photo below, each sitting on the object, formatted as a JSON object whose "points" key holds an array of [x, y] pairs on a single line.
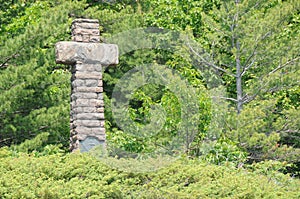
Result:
{"points": [[34, 90], [83, 176], [251, 46]]}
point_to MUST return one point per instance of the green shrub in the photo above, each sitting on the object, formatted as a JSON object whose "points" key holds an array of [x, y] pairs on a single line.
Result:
{"points": [[84, 176], [30, 145]]}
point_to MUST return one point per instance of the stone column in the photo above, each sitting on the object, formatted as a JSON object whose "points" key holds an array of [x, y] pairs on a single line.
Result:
{"points": [[87, 56]]}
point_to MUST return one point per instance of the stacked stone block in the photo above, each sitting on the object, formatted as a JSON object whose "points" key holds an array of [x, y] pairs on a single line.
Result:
{"points": [[85, 30], [87, 57], [87, 105]]}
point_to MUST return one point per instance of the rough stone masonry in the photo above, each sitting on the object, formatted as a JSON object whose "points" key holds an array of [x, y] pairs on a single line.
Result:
{"points": [[87, 57]]}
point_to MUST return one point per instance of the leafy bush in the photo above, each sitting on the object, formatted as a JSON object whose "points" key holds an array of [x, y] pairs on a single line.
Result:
{"points": [[222, 151], [84, 176]]}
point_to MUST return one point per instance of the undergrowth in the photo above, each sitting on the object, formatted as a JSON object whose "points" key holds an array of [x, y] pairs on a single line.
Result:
{"points": [[77, 175]]}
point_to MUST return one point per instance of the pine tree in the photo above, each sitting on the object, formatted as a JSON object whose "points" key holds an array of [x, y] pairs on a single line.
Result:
{"points": [[34, 90], [254, 46]]}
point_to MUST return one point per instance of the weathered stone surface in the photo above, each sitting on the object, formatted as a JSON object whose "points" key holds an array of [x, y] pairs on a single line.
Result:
{"points": [[96, 53], [83, 20], [89, 102], [82, 95], [90, 131], [78, 82], [87, 83], [85, 110], [100, 96], [89, 116], [91, 82], [85, 31], [89, 123], [89, 89], [88, 67], [100, 110], [86, 38], [84, 25], [85, 75]]}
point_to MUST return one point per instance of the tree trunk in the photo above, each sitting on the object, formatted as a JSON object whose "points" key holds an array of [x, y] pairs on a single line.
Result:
{"points": [[239, 90]]}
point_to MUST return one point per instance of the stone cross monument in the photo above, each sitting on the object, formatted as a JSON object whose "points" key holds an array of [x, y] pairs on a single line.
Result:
{"points": [[86, 56]]}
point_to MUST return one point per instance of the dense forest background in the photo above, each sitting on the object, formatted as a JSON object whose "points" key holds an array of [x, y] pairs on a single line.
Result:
{"points": [[251, 48]]}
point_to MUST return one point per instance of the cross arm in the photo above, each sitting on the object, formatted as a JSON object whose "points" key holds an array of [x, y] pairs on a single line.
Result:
{"points": [[73, 52]]}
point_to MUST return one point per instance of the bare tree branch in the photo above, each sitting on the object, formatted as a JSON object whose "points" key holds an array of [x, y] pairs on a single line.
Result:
{"points": [[248, 65], [4, 64], [245, 69], [16, 54], [252, 8], [247, 98], [209, 63], [290, 131], [284, 65], [226, 98]]}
